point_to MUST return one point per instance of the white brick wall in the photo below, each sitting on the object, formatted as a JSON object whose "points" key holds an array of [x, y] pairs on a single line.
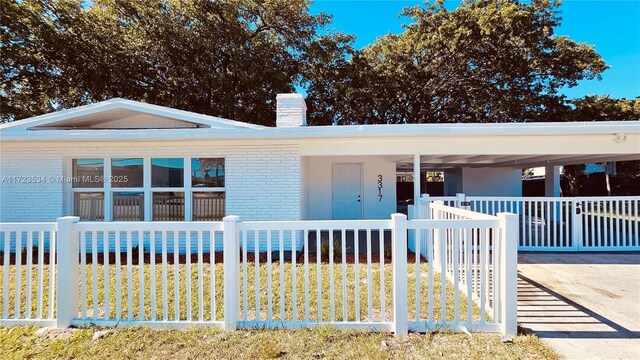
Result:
{"points": [[32, 198], [263, 180], [304, 188], [291, 110]]}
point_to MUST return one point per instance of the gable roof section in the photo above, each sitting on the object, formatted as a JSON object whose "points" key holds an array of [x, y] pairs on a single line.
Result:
{"points": [[113, 113]]}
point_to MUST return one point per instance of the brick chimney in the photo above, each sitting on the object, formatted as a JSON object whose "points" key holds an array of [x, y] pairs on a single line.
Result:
{"points": [[291, 111]]}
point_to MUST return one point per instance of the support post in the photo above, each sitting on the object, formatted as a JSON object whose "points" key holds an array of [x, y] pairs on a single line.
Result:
{"points": [[552, 181], [416, 179], [231, 258], [399, 261], [67, 268], [508, 273]]}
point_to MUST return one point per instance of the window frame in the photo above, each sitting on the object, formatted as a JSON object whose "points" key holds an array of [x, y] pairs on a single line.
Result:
{"points": [[108, 190]]}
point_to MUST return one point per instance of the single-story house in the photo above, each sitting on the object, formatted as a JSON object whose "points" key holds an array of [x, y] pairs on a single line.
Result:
{"points": [[122, 160]]}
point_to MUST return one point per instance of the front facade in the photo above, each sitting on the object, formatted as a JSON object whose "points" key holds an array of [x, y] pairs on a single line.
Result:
{"points": [[121, 160]]}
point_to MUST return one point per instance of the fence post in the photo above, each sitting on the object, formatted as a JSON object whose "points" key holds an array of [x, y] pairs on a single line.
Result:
{"points": [[460, 199], [437, 236], [231, 274], [425, 199], [576, 224], [399, 262], [67, 268], [508, 273]]}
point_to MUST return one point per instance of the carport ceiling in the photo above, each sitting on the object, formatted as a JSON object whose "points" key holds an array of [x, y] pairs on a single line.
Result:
{"points": [[429, 162]]}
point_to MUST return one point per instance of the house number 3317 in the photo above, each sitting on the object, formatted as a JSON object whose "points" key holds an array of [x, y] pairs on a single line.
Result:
{"points": [[379, 188]]}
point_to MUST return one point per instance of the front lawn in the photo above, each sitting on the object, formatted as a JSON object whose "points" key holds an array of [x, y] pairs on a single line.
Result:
{"points": [[23, 342]]}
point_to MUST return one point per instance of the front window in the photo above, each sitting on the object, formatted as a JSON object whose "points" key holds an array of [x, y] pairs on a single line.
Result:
{"points": [[87, 173], [89, 206], [151, 189], [168, 206], [128, 206], [126, 173], [207, 172], [167, 172], [208, 206]]}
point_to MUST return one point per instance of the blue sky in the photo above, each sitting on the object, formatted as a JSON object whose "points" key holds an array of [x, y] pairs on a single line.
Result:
{"points": [[612, 26]]}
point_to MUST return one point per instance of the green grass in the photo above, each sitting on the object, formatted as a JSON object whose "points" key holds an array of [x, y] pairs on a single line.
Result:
{"points": [[22, 342], [315, 302]]}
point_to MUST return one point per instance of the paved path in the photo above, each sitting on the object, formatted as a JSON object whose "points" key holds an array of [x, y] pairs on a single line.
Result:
{"points": [[586, 306]]}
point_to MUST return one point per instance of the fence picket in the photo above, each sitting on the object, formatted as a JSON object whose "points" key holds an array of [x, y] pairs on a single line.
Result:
{"points": [[294, 279], [40, 272], [118, 276], [18, 289], [152, 262], [28, 275], [94, 273], [5, 282], [130, 277], [105, 257]]}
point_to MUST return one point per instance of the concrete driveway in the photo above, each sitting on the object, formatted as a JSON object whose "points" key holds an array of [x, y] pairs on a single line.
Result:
{"points": [[585, 305]]}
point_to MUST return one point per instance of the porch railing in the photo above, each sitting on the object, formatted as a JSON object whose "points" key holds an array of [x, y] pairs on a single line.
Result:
{"points": [[565, 223], [347, 274]]}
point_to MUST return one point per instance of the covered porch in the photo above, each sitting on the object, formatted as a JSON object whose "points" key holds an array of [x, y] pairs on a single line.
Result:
{"points": [[351, 172]]}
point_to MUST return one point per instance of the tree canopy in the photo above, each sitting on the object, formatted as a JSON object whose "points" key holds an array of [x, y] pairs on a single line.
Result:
{"points": [[485, 61], [598, 108], [225, 57]]}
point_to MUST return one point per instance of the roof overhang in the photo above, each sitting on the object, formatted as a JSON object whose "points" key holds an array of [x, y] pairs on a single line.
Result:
{"points": [[115, 111], [440, 145]]}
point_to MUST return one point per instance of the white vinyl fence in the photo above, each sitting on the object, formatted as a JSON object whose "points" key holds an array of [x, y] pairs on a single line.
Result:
{"points": [[470, 255], [35, 267], [345, 274], [604, 223]]}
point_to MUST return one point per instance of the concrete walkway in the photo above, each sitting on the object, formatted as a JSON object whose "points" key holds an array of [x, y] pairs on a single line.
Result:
{"points": [[586, 305]]}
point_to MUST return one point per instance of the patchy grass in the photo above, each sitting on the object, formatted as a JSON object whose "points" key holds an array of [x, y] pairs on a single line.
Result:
{"points": [[138, 342], [331, 278], [23, 342]]}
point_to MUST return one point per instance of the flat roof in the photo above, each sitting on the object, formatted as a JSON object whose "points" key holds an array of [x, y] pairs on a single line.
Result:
{"points": [[340, 131]]}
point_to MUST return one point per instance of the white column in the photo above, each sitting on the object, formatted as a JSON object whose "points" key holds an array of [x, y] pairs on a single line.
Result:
{"points": [[67, 279], [231, 272], [552, 181], [399, 263], [416, 179], [508, 273]]}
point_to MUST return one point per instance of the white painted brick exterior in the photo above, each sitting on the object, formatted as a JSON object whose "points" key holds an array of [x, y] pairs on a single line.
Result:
{"points": [[291, 110], [304, 188], [263, 179], [30, 199]]}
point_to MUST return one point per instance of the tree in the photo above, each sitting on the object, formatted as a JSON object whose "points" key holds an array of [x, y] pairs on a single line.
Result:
{"points": [[602, 108], [485, 61], [226, 57], [599, 108]]}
